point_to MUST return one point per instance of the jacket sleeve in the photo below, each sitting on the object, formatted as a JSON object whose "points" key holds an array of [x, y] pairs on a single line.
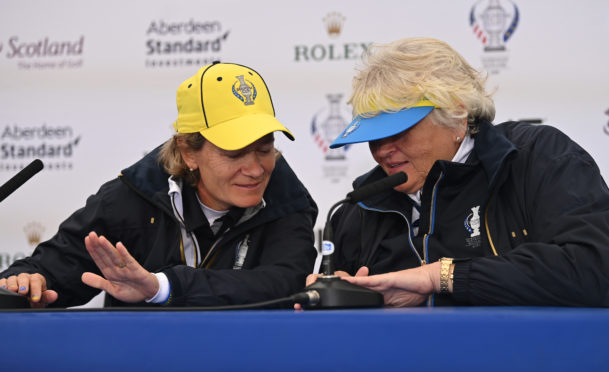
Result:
{"points": [[63, 258], [277, 267], [564, 259]]}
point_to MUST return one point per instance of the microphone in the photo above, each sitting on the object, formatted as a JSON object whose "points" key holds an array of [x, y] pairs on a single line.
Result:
{"points": [[8, 299], [355, 196], [383, 184], [20, 178], [333, 291]]}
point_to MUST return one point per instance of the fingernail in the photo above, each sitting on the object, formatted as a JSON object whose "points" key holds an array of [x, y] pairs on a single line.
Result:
{"points": [[35, 297], [4, 286], [22, 288]]}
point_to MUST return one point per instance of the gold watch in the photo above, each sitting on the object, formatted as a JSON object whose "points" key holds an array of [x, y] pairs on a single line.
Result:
{"points": [[445, 273]]}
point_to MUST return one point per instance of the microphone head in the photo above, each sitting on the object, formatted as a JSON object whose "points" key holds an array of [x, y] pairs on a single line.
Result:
{"points": [[36, 166], [20, 178], [383, 184]]}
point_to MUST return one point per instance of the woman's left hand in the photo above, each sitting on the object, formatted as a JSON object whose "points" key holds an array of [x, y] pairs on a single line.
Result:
{"points": [[123, 277], [403, 288]]}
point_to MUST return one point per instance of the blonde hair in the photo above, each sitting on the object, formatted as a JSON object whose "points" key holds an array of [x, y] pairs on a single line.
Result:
{"points": [[401, 73], [171, 158]]}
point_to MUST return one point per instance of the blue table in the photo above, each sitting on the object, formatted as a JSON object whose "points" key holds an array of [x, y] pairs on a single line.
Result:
{"points": [[419, 339]]}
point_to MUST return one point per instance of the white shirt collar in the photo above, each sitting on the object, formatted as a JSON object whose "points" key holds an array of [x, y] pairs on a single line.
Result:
{"points": [[465, 148]]}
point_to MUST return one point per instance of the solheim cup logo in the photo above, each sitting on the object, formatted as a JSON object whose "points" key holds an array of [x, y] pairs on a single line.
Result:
{"points": [[327, 124], [472, 222], [494, 23], [245, 91]]}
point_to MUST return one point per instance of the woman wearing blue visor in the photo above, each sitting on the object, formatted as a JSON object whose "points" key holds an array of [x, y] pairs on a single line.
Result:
{"points": [[507, 214]]}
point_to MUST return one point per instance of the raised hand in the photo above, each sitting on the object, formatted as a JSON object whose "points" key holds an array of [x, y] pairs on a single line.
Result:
{"points": [[123, 277]]}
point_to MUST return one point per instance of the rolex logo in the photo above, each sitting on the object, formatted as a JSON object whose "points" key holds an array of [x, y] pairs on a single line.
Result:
{"points": [[334, 24], [33, 231]]}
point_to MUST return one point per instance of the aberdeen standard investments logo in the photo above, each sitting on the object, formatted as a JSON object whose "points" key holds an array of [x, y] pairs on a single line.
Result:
{"points": [[493, 23], [334, 51], [184, 43], [20, 144], [44, 53]]}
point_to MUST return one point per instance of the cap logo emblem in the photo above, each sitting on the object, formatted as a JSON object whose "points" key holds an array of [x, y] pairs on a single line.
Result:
{"points": [[351, 129], [244, 90]]}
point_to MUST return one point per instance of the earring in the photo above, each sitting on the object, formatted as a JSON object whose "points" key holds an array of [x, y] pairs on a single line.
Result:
{"points": [[458, 139], [190, 169]]}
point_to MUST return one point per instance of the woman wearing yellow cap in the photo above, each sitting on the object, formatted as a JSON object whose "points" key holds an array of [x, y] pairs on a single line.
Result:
{"points": [[215, 216], [507, 214]]}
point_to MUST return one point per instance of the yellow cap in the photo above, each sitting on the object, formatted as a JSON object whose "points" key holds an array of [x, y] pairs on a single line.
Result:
{"points": [[228, 104]]}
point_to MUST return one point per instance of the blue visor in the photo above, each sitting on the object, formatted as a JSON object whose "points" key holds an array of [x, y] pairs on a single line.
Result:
{"points": [[384, 125]]}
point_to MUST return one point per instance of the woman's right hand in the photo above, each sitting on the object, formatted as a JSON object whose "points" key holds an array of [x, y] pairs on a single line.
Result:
{"points": [[123, 277], [33, 286], [312, 278]]}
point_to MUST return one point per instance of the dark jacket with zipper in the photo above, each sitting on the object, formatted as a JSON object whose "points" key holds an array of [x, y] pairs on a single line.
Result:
{"points": [[136, 210], [526, 217]]}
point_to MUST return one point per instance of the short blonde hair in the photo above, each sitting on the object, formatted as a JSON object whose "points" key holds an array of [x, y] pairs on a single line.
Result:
{"points": [[171, 158], [401, 73]]}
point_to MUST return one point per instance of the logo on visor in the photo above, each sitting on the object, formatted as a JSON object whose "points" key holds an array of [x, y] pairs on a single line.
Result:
{"points": [[246, 91], [351, 128]]}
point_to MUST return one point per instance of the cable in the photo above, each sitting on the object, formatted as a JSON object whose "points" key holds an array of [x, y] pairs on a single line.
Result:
{"points": [[306, 298]]}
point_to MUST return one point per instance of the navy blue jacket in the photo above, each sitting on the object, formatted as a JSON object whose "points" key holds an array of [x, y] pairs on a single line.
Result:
{"points": [[135, 209], [526, 217]]}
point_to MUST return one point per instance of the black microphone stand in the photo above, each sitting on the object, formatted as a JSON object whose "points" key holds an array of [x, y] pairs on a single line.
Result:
{"points": [[335, 293], [8, 299]]}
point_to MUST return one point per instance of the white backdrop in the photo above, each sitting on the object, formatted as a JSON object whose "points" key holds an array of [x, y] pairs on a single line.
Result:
{"points": [[89, 86]]}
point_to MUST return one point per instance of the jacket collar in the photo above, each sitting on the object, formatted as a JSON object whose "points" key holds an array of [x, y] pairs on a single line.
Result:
{"points": [[492, 149], [147, 175]]}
